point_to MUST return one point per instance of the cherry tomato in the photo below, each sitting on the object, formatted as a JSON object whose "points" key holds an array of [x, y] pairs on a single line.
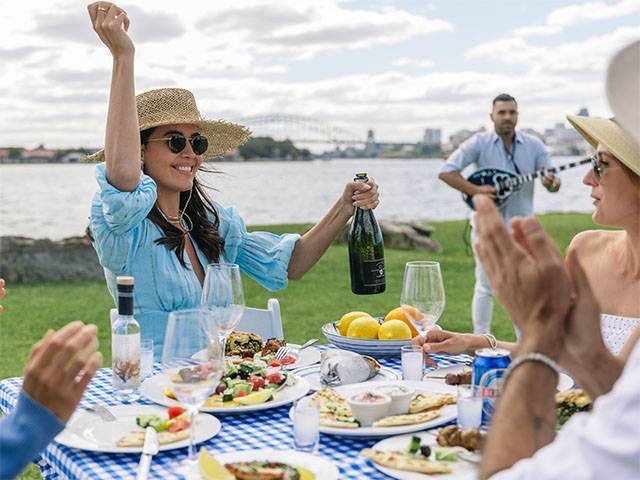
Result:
{"points": [[258, 382], [241, 393], [275, 377], [179, 425], [288, 360], [275, 363], [175, 412]]}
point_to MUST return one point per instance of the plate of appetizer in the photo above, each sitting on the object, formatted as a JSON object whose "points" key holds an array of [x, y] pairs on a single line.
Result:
{"points": [[267, 463], [87, 431], [462, 375], [570, 402], [247, 386], [453, 454], [342, 367], [243, 345], [382, 409]]}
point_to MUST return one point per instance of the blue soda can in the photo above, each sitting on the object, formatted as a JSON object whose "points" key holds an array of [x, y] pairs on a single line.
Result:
{"points": [[489, 366]]}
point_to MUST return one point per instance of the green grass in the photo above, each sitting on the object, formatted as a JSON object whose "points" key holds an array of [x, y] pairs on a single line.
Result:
{"points": [[323, 295]]}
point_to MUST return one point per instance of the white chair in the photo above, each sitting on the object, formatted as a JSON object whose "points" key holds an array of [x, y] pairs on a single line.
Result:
{"points": [[266, 323]]}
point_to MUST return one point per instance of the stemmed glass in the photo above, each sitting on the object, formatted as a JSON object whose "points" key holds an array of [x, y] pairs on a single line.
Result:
{"points": [[422, 298], [192, 365], [222, 294]]}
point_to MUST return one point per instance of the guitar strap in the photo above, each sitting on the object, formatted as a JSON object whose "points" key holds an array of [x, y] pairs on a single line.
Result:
{"points": [[512, 153]]}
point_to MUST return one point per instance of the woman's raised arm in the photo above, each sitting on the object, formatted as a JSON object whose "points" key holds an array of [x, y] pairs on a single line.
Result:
{"points": [[122, 139]]}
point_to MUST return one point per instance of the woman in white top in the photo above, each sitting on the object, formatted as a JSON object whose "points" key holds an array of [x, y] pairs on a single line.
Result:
{"points": [[610, 258]]}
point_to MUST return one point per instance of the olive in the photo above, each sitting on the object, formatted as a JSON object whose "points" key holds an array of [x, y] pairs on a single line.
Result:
{"points": [[221, 387], [425, 450]]}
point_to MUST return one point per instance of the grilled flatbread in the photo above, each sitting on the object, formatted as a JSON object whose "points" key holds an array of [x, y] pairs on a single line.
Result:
{"points": [[262, 471], [405, 461], [406, 419], [335, 421], [430, 401], [327, 400], [136, 439]]}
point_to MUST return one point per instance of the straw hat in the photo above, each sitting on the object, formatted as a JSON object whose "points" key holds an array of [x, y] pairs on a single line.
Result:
{"points": [[166, 106], [623, 88]]}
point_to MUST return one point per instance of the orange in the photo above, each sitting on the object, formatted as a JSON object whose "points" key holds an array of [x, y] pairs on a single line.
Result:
{"points": [[398, 314], [363, 327], [394, 330]]}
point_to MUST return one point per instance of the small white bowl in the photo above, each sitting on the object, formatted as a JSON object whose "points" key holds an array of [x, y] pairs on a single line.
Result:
{"points": [[367, 407], [401, 396]]}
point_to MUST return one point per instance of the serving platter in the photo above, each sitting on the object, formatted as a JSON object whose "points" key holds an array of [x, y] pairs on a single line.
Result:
{"points": [[363, 346]]}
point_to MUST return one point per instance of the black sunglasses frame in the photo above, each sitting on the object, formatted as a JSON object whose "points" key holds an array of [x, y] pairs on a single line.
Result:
{"points": [[177, 142], [596, 167]]}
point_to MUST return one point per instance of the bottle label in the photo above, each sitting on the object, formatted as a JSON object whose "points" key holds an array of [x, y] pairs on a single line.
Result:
{"points": [[373, 272], [125, 360]]}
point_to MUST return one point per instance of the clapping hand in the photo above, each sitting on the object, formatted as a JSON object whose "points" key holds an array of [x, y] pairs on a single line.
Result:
{"points": [[61, 366], [111, 24]]}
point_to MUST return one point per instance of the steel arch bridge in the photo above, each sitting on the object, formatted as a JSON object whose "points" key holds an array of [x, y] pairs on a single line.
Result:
{"points": [[300, 129]]}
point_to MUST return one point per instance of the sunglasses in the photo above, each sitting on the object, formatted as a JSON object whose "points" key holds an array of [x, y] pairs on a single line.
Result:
{"points": [[597, 168], [177, 143]]}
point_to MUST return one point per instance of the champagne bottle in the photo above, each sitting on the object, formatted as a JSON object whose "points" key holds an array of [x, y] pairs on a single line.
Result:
{"points": [[366, 251], [125, 345]]}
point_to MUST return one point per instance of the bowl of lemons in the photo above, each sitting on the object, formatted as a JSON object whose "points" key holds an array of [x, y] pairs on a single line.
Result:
{"points": [[368, 335]]}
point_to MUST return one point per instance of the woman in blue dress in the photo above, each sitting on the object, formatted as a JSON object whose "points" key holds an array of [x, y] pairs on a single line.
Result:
{"points": [[151, 218]]}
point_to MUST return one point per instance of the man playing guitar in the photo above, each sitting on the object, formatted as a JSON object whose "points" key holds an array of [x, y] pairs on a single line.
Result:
{"points": [[503, 149]]}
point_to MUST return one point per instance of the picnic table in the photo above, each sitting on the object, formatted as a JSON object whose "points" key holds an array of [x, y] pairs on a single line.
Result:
{"points": [[265, 429]]}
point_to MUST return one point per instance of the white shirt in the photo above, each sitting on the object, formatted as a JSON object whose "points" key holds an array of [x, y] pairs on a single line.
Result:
{"points": [[603, 444], [616, 330]]}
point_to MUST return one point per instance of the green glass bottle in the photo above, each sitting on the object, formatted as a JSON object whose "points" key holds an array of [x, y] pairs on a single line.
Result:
{"points": [[366, 251]]}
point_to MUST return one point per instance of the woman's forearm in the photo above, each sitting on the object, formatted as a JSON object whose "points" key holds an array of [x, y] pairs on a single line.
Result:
{"points": [[315, 242], [476, 342], [122, 142]]}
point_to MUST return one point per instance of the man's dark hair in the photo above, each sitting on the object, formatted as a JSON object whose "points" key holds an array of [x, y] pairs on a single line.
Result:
{"points": [[504, 97]]}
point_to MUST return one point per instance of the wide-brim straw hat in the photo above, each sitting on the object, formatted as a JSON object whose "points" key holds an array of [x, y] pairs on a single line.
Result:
{"points": [[608, 133], [623, 88], [168, 106]]}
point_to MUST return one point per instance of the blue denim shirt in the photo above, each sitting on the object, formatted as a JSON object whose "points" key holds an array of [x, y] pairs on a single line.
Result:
{"points": [[24, 434], [124, 241], [486, 150]]}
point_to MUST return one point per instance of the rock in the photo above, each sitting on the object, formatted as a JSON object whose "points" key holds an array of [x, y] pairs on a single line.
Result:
{"points": [[402, 235], [28, 260]]}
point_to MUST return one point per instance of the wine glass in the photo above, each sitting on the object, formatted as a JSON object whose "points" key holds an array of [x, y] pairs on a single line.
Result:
{"points": [[422, 298], [222, 294], [192, 365]]}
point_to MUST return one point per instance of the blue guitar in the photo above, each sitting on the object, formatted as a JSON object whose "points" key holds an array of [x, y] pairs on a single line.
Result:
{"points": [[507, 183]]}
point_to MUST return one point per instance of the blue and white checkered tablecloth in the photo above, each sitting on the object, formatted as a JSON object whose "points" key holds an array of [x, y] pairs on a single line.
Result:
{"points": [[265, 429]]}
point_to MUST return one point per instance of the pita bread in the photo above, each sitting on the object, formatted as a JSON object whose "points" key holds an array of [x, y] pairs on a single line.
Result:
{"points": [[335, 421], [327, 400], [136, 439], [405, 461], [430, 401], [406, 419]]}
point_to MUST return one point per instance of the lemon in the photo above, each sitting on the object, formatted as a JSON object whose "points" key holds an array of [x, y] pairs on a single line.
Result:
{"points": [[255, 397], [363, 327], [394, 330], [398, 314], [211, 469], [347, 318], [305, 474]]}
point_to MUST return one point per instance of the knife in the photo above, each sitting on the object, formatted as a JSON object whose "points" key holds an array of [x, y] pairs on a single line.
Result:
{"points": [[149, 449]]}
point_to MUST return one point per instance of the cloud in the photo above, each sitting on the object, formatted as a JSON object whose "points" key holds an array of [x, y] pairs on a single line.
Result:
{"points": [[571, 15]]}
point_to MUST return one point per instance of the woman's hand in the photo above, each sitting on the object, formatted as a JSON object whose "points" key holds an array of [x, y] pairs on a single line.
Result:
{"points": [[442, 341], [111, 24], [360, 194]]}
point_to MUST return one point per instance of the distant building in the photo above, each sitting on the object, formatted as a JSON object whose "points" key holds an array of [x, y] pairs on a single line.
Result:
{"points": [[71, 157], [533, 132], [39, 155], [432, 137], [583, 112], [564, 141], [4, 154], [461, 135]]}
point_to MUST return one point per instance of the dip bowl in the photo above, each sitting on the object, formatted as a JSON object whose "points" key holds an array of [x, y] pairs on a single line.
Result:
{"points": [[367, 407]]}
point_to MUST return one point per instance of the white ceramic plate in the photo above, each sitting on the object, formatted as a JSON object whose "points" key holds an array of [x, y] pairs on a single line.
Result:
{"points": [[448, 413], [87, 431], [322, 468], [312, 374], [153, 390], [565, 382], [309, 356], [461, 470]]}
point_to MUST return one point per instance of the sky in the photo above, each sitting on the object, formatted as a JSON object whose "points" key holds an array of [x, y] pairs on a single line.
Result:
{"points": [[397, 67]]}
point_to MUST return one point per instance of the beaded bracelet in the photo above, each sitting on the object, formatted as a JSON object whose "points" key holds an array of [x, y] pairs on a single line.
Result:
{"points": [[493, 343], [531, 357]]}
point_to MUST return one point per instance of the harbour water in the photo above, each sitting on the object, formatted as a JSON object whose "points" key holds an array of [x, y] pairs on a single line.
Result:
{"points": [[53, 201]]}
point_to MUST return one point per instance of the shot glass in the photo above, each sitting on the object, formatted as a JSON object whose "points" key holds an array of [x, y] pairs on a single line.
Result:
{"points": [[306, 427], [146, 358], [412, 362], [469, 406]]}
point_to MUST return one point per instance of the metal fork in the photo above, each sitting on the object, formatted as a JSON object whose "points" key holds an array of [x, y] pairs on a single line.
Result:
{"points": [[286, 350], [102, 412]]}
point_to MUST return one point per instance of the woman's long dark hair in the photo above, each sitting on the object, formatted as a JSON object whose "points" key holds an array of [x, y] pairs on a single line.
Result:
{"points": [[199, 209]]}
